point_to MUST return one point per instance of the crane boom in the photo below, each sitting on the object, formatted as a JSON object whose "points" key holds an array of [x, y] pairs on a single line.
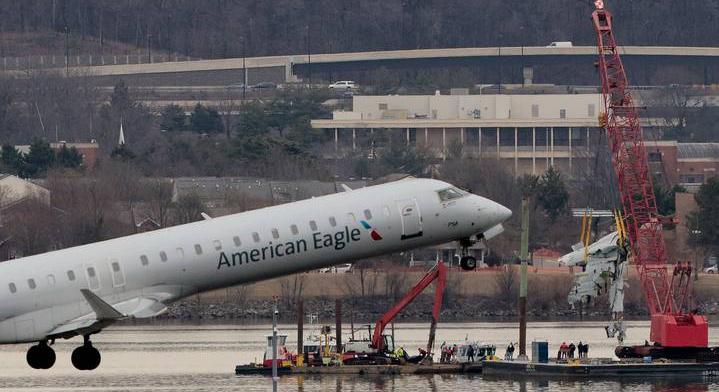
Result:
{"points": [[670, 326], [438, 272]]}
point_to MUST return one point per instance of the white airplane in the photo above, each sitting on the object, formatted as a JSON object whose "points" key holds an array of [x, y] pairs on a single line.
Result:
{"points": [[81, 290]]}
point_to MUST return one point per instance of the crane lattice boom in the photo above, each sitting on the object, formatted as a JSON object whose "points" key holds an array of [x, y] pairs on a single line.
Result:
{"points": [[670, 327]]}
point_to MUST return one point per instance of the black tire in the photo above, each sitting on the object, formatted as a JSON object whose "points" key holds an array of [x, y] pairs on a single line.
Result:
{"points": [[78, 358], [48, 357], [468, 263], [86, 358], [93, 358], [33, 357], [40, 356]]}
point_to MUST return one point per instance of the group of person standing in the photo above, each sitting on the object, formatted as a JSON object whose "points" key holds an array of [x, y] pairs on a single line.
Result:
{"points": [[566, 351]]}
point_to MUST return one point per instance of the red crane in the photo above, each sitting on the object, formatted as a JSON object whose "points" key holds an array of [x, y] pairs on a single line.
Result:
{"points": [[439, 272], [374, 351], [671, 326]]}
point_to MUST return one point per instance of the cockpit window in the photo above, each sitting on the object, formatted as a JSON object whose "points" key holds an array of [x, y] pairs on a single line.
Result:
{"points": [[450, 194]]}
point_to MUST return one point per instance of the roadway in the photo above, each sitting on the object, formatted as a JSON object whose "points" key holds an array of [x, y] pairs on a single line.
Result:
{"points": [[289, 60]]}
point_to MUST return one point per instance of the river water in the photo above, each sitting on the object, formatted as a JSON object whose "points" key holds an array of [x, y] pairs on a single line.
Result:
{"points": [[202, 358]]}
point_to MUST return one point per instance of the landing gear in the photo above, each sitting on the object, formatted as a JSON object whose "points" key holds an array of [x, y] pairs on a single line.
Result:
{"points": [[40, 356], [467, 262], [86, 357]]}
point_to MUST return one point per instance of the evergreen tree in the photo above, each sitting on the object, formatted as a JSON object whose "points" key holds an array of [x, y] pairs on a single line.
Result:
{"points": [[204, 119], [40, 158], [552, 195], [173, 118], [68, 157], [704, 223], [13, 161]]}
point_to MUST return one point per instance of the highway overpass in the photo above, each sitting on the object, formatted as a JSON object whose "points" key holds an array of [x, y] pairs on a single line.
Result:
{"points": [[649, 65]]}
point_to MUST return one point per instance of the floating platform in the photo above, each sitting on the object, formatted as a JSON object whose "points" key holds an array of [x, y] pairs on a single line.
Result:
{"points": [[601, 368], [365, 369]]}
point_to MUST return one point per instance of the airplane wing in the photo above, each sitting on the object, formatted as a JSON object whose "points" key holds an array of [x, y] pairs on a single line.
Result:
{"points": [[104, 314]]}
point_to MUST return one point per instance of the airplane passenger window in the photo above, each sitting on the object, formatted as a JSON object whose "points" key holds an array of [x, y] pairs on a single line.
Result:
{"points": [[275, 234], [144, 260], [333, 221], [115, 267], [217, 244], [386, 211], [237, 240], [163, 256], [180, 253], [13, 288], [31, 284], [256, 236], [313, 225], [368, 214], [91, 272], [198, 249], [71, 275], [294, 229]]}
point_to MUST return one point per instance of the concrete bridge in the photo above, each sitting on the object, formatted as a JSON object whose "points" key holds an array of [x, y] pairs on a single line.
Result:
{"points": [[695, 65]]}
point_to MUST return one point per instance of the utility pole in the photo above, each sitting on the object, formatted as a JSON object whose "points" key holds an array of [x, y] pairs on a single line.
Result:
{"points": [[67, 52], [523, 255], [149, 53], [275, 312], [244, 71], [309, 57]]}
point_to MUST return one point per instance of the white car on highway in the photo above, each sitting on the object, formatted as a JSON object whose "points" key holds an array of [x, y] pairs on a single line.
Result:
{"points": [[343, 85]]}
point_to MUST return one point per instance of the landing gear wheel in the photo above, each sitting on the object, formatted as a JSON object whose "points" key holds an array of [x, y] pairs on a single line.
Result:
{"points": [[86, 357], [40, 356], [468, 263]]}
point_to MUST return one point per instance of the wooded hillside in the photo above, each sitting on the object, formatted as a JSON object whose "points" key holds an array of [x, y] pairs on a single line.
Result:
{"points": [[214, 28]]}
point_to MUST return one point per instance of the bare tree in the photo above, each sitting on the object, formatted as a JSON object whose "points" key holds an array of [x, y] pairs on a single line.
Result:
{"points": [[506, 282], [159, 193], [291, 289]]}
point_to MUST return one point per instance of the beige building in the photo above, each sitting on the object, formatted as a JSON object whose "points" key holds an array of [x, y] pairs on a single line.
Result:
{"points": [[14, 190], [529, 132]]}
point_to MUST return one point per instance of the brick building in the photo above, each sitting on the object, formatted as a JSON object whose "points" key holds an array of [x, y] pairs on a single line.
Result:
{"points": [[685, 164]]}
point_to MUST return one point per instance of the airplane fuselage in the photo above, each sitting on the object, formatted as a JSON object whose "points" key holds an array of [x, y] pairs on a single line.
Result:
{"points": [[40, 296]]}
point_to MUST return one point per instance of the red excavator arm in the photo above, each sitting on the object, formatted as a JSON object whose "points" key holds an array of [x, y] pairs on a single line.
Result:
{"points": [[438, 272]]}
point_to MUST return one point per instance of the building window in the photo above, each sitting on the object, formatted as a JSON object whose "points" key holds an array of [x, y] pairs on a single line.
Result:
{"points": [[294, 229], [313, 225], [654, 157], [368, 214], [591, 110], [71, 275], [144, 260], [31, 284], [562, 113], [333, 221], [217, 244], [163, 256], [237, 241], [535, 111], [691, 178], [198, 249], [256, 237], [382, 106], [275, 234], [13, 288]]}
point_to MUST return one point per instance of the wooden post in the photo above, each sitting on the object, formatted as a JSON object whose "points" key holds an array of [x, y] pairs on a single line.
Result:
{"points": [[338, 325]]}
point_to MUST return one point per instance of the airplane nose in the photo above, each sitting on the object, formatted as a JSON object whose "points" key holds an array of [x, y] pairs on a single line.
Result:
{"points": [[498, 213]]}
